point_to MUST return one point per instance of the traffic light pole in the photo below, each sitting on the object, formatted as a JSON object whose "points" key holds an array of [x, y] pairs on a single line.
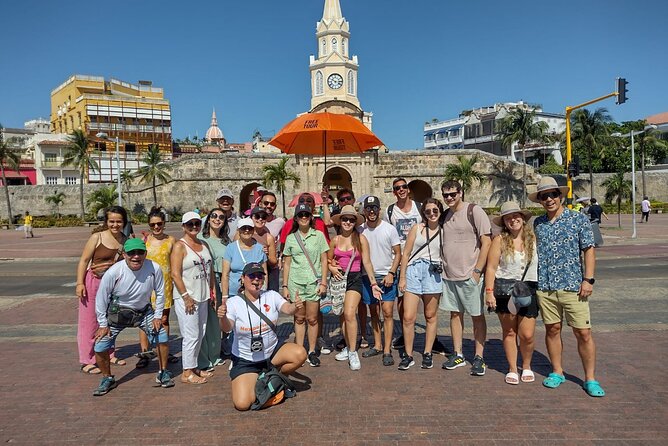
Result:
{"points": [[569, 150]]}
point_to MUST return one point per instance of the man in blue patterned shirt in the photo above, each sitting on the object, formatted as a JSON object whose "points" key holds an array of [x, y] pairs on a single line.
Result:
{"points": [[565, 244]]}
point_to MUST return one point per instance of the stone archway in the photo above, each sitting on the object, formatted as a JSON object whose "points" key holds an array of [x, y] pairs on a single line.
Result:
{"points": [[246, 196], [420, 190], [337, 178]]}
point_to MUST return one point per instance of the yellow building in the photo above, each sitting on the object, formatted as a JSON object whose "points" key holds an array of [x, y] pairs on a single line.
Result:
{"points": [[138, 115]]}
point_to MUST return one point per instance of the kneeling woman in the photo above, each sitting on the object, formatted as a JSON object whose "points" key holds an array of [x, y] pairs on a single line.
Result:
{"points": [[255, 346]]}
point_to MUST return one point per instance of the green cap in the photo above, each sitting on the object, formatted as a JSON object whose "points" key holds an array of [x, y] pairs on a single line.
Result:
{"points": [[134, 243]]}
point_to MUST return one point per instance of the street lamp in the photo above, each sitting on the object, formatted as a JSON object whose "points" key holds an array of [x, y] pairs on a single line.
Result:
{"points": [[103, 135], [632, 134]]}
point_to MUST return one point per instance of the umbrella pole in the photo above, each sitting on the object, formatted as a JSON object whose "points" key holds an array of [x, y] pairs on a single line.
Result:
{"points": [[324, 149]]}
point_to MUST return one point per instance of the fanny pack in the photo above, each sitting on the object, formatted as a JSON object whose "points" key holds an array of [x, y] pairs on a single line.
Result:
{"points": [[119, 316]]}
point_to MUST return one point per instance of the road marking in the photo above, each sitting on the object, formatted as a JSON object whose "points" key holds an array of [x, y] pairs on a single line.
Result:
{"points": [[69, 284]]}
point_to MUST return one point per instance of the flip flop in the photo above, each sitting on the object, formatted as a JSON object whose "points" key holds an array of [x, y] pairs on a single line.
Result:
{"points": [[205, 374], [554, 380], [512, 378], [364, 343], [593, 388], [90, 369], [528, 376], [193, 379], [117, 361]]}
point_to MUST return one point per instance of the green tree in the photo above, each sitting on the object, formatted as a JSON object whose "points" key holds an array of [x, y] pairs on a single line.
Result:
{"points": [[155, 168], [464, 172], [126, 179], [10, 158], [521, 127], [56, 199], [551, 167], [78, 156], [590, 133], [617, 188], [102, 198], [276, 176], [650, 148]]}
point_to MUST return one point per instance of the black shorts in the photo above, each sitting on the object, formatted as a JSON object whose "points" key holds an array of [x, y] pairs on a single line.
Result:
{"points": [[241, 366], [530, 311], [354, 282]]}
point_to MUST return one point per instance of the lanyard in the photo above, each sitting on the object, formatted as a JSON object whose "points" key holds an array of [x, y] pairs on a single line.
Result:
{"points": [[250, 321]]}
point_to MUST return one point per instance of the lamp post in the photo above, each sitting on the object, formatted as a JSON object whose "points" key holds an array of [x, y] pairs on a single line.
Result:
{"points": [[632, 134], [103, 135]]}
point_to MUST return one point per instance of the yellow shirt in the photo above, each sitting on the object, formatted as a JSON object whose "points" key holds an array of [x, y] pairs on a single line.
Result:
{"points": [[27, 220]]}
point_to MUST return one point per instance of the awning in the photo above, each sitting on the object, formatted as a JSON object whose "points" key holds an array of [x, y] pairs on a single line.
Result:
{"points": [[429, 133]]}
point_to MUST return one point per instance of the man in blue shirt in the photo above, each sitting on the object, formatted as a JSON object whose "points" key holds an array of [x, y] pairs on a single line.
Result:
{"points": [[565, 241]]}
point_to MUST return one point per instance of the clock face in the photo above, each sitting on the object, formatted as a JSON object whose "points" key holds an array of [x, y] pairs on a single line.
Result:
{"points": [[335, 81]]}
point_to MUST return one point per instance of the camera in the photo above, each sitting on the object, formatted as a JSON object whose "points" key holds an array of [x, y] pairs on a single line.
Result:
{"points": [[257, 345], [435, 268]]}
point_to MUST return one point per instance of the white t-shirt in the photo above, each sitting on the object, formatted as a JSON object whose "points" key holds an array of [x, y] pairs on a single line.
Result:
{"points": [[381, 239], [270, 303], [403, 222], [645, 206], [133, 288]]}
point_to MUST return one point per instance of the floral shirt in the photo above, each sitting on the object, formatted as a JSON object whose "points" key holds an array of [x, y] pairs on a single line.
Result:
{"points": [[559, 244]]}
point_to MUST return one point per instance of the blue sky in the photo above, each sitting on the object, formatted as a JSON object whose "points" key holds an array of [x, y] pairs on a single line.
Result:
{"points": [[418, 59]]}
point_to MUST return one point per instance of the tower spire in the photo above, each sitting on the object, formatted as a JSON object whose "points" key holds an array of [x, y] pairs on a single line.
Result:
{"points": [[214, 120], [332, 11]]}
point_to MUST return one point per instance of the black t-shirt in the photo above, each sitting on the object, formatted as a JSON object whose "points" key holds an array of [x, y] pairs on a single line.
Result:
{"points": [[595, 211]]}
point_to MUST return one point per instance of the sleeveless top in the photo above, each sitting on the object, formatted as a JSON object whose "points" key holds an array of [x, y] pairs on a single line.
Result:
{"points": [[434, 248], [159, 253], [513, 268], [103, 258], [343, 257], [195, 273]]}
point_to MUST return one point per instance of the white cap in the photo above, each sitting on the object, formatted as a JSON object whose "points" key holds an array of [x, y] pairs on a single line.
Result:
{"points": [[190, 216], [245, 222]]}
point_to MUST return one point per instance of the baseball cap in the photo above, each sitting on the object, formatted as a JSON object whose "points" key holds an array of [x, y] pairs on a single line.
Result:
{"points": [[246, 221], [371, 201], [190, 216], [224, 192], [302, 207], [132, 244], [258, 210], [253, 267]]}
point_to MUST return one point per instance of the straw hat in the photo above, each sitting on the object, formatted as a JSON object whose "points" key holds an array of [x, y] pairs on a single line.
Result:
{"points": [[510, 207], [546, 183], [348, 210]]}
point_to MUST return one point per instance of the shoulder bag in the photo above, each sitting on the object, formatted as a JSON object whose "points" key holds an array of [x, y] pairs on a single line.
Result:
{"points": [[518, 290], [325, 301], [336, 289]]}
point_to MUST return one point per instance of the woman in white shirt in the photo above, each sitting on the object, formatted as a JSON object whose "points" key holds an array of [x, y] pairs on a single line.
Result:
{"points": [[255, 348], [511, 254]]}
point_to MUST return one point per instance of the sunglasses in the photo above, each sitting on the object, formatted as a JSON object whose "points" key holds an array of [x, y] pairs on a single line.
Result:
{"points": [[373, 209], [246, 229], [217, 216], [303, 215], [348, 220], [193, 224], [306, 200], [547, 195], [447, 195], [432, 211], [260, 216], [346, 198], [256, 276], [401, 186], [136, 252], [269, 203], [156, 225]]}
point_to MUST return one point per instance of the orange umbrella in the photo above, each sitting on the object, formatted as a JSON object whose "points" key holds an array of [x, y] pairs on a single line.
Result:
{"points": [[325, 133]]}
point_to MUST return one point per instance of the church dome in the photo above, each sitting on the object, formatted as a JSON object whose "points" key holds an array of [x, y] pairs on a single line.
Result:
{"points": [[214, 134]]}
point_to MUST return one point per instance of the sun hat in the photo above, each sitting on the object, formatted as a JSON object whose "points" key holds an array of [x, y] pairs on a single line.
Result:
{"points": [[348, 210], [224, 192], [252, 267], [132, 244], [303, 207], [190, 216], [546, 183], [246, 221], [510, 207]]}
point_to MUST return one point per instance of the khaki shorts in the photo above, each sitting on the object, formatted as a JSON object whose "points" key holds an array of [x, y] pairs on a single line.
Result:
{"points": [[554, 305], [307, 293], [462, 296]]}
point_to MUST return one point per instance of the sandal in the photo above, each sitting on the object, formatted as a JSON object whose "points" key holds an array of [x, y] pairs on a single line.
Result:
{"points": [[193, 379], [373, 351], [512, 378], [204, 373], [117, 361], [143, 362], [554, 380], [364, 343], [528, 376], [593, 388], [91, 369], [172, 359]]}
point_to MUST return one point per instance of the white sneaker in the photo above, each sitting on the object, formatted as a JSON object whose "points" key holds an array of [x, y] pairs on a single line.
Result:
{"points": [[354, 361], [325, 349], [342, 355]]}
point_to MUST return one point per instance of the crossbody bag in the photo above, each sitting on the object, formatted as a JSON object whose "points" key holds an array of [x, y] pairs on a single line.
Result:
{"points": [[325, 302]]}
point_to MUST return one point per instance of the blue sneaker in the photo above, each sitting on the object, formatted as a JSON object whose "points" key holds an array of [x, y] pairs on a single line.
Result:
{"points": [[108, 383], [164, 379]]}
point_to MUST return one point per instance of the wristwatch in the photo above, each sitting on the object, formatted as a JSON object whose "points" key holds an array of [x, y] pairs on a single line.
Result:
{"points": [[589, 280]]}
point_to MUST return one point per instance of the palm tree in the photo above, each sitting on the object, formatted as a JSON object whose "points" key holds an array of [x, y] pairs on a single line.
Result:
{"points": [[464, 172], [126, 179], [648, 145], [590, 130], [521, 127], [56, 199], [10, 158], [102, 198], [155, 168], [277, 177], [617, 188], [77, 155]]}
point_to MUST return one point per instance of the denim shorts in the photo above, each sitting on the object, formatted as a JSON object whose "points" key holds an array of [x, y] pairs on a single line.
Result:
{"points": [[419, 280], [389, 293], [108, 341]]}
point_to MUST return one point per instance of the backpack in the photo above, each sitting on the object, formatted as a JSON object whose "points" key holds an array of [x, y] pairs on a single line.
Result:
{"points": [[390, 209], [271, 388], [469, 217]]}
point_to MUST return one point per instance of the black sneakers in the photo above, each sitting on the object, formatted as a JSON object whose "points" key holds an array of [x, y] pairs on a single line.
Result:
{"points": [[313, 359], [427, 361], [478, 366], [398, 343], [406, 363], [453, 362]]}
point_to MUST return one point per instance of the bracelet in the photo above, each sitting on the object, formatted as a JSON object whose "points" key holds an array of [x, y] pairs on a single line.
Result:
{"points": [[284, 286], [489, 289], [391, 272], [184, 294], [225, 296], [375, 284]]}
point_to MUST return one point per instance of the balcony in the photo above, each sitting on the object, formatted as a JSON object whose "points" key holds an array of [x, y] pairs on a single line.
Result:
{"points": [[51, 164]]}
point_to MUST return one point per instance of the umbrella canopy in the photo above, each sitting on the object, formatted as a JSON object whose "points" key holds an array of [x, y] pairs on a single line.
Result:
{"points": [[316, 197], [581, 199]]}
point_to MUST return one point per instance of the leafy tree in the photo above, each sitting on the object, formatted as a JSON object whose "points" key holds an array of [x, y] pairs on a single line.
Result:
{"points": [[617, 188], [102, 198], [650, 149], [56, 199], [126, 180], [464, 172], [155, 169], [9, 157], [78, 156], [276, 176], [551, 167], [521, 127], [589, 133]]}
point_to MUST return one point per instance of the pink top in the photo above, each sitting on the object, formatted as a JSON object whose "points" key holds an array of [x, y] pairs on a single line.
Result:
{"points": [[343, 257]]}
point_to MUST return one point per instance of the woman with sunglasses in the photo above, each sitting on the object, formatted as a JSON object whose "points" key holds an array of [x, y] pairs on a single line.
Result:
{"points": [[238, 254], [307, 199], [214, 236], [255, 348], [158, 248], [192, 273], [300, 278], [420, 279], [101, 251], [351, 248], [268, 242], [511, 253]]}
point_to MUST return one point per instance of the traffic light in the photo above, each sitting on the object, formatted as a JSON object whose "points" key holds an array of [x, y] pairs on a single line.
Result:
{"points": [[574, 168], [621, 90]]}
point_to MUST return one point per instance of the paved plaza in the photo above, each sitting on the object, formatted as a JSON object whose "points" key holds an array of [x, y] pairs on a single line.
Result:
{"points": [[46, 400]]}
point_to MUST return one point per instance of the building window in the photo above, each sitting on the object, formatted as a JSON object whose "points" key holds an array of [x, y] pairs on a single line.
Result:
{"points": [[335, 45], [324, 47], [70, 180], [319, 83], [51, 180], [351, 82], [50, 157]]}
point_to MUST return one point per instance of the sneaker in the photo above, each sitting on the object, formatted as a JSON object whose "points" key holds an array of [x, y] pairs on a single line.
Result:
{"points": [[427, 361], [406, 363], [398, 343], [325, 348], [354, 361], [313, 359], [478, 366], [453, 362], [342, 355], [388, 360], [164, 378], [341, 344], [439, 349], [108, 383]]}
